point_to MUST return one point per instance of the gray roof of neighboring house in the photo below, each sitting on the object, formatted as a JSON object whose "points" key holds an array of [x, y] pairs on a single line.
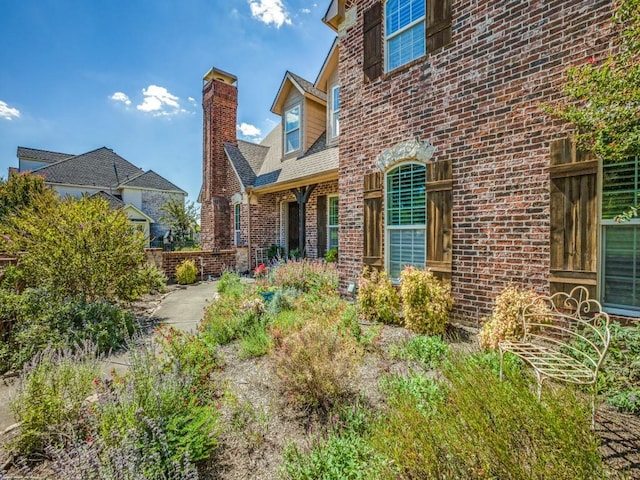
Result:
{"points": [[114, 202], [308, 87], [42, 155], [151, 179], [95, 168], [247, 159]]}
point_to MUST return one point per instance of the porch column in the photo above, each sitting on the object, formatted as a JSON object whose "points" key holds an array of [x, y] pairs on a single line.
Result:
{"points": [[302, 196]]}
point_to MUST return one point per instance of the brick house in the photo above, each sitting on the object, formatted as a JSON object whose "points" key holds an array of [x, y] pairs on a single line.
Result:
{"points": [[104, 173], [447, 159], [283, 190]]}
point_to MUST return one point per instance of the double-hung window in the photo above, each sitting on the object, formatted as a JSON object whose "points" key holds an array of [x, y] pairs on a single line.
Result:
{"points": [[335, 111], [292, 129], [404, 31], [620, 268], [406, 217], [332, 223]]}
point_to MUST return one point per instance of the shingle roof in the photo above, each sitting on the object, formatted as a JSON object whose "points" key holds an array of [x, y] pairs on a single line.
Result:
{"points": [[95, 168], [246, 158], [308, 87], [114, 202], [293, 169], [319, 145], [151, 179], [42, 155]]}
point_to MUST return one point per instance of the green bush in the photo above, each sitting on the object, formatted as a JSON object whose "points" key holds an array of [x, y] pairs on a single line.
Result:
{"points": [[50, 401], [426, 301], [230, 284], [186, 272], [331, 255], [424, 393], [305, 276], [483, 428], [153, 280], [429, 351], [255, 342], [378, 298]]}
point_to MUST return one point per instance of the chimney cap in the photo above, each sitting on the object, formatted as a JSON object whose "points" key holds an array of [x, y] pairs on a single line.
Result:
{"points": [[220, 76]]}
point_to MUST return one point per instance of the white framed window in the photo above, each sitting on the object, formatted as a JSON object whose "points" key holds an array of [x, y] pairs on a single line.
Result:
{"points": [[236, 222], [406, 218], [335, 111], [292, 129], [332, 222], [620, 246], [404, 32]]}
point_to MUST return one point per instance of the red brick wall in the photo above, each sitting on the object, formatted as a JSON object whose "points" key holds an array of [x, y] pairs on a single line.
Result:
{"points": [[207, 263], [478, 101]]}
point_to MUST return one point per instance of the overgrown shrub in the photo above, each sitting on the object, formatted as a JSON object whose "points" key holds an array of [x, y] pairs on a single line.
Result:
{"points": [[426, 301], [429, 351], [424, 393], [315, 365], [230, 285], [153, 279], [483, 428], [305, 276], [186, 272], [50, 401], [378, 298], [505, 322]]}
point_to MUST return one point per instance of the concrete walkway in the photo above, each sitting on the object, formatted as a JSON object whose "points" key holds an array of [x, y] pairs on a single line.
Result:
{"points": [[182, 309]]}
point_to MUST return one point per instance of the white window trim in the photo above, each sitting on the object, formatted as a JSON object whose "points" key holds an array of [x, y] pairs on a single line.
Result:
{"points": [[329, 225], [334, 125], [237, 222], [298, 128], [389, 228], [389, 36]]}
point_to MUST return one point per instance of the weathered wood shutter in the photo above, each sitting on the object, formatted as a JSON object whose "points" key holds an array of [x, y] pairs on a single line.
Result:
{"points": [[439, 218], [372, 254], [438, 27], [574, 218], [372, 42], [322, 225]]}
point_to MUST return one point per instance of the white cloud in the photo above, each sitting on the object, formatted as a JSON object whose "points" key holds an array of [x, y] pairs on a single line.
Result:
{"points": [[270, 11], [248, 130], [156, 101], [192, 100], [7, 112], [305, 10], [121, 97]]}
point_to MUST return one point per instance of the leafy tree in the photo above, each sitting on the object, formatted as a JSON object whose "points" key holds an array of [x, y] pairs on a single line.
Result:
{"points": [[79, 249], [181, 216], [23, 191], [602, 96]]}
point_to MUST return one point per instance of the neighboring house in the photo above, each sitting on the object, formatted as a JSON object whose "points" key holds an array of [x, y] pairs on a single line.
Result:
{"points": [[104, 173], [282, 191], [447, 159]]}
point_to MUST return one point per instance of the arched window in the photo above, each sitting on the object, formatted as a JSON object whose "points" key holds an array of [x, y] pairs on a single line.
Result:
{"points": [[406, 217]]}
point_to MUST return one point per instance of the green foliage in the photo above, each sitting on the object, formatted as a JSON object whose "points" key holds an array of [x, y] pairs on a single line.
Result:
{"points": [[429, 351], [255, 342], [331, 255], [181, 217], [426, 302], [23, 192], [482, 428], [275, 252], [50, 400], [315, 365], [36, 319], [153, 280], [79, 249], [378, 298], [230, 284], [305, 276], [424, 393], [505, 322], [186, 272]]}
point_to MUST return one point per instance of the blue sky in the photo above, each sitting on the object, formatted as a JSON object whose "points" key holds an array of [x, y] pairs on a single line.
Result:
{"points": [[76, 75]]}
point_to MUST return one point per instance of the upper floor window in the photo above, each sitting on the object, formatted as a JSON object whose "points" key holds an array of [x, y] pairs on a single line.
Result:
{"points": [[335, 111], [292, 129], [404, 31], [620, 241]]}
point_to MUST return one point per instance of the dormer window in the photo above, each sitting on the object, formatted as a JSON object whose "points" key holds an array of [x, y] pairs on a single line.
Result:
{"points": [[335, 110], [292, 129]]}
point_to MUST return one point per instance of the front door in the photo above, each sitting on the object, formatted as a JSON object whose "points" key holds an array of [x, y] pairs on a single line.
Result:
{"points": [[293, 235]]}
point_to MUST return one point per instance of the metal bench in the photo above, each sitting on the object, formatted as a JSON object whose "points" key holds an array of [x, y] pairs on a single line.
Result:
{"points": [[568, 343]]}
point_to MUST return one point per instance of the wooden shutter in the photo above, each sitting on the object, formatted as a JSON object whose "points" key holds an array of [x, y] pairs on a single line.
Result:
{"points": [[438, 27], [322, 225], [372, 42], [372, 254], [439, 218], [574, 218]]}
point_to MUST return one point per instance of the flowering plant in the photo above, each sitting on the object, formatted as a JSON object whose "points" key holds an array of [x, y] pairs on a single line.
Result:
{"points": [[260, 271]]}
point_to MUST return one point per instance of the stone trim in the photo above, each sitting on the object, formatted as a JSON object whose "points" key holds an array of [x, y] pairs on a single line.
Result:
{"points": [[416, 149]]}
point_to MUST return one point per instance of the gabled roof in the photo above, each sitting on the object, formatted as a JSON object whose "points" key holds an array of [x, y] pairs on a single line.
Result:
{"points": [[151, 179], [42, 155], [247, 159], [101, 167], [113, 201], [334, 14], [329, 66], [305, 87]]}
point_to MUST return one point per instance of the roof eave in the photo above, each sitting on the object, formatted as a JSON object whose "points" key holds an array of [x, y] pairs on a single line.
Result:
{"points": [[325, 176], [334, 14]]}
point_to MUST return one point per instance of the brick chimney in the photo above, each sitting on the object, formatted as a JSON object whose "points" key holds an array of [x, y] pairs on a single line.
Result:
{"points": [[219, 104]]}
